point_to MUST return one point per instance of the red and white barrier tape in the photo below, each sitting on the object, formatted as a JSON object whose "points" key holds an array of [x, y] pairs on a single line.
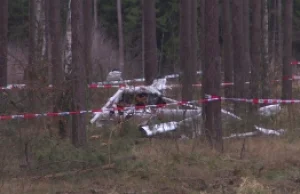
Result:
{"points": [[117, 84], [295, 63], [56, 114], [256, 100]]}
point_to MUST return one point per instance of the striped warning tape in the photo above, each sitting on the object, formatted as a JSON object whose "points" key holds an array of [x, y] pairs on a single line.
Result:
{"points": [[57, 114], [256, 100], [295, 63], [117, 84]]}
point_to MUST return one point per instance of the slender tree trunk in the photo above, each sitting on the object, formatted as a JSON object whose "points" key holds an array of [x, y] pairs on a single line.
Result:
{"points": [[68, 43], [287, 49], [78, 73], [47, 39], [88, 26], [272, 33], [3, 41], [256, 33], [56, 59], [30, 74], [32, 42], [212, 75], [55, 41], [240, 69], [150, 44], [194, 40], [247, 38], [95, 14], [265, 51], [227, 47], [186, 49], [121, 37], [201, 33], [279, 36]]}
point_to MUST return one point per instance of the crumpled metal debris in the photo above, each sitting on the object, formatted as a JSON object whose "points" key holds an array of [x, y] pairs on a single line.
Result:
{"points": [[114, 75], [151, 95], [270, 110]]}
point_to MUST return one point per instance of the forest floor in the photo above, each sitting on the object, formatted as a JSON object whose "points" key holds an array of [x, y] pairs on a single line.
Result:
{"points": [[131, 165]]}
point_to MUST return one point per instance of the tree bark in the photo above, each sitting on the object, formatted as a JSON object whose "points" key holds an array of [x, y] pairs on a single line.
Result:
{"points": [[121, 37], [287, 50], [279, 37], [212, 75], [227, 48], [247, 39], [186, 49], [240, 68], [3, 41], [78, 74], [150, 44], [194, 40], [95, 14], [55, 41], [272, 33], [68, 43], [56, 58], [256, 33], [265, 51], [201, 32], [88, 26]]}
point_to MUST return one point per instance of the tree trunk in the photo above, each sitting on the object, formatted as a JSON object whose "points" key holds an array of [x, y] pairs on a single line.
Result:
{"points": [[88, 26], [194, 40], [3, 41], [121, 37], [279, 37], [32, 43], [55, 41], [30, 74], [265, 51], [247, 39], [185, 49], [272, 35], [68, 43], [287, 50], [56, 58], [201, 33], [212, 75], [150, 44], [95, 14], [47, 40], [227, 48], [256, 34], [78, 74], [240, 68]]}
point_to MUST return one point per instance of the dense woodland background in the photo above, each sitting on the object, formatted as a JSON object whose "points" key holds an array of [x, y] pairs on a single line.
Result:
{"points": [[167, 29]]}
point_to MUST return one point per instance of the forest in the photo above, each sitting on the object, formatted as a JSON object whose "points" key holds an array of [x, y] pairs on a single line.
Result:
{"points": [[149, 96]]}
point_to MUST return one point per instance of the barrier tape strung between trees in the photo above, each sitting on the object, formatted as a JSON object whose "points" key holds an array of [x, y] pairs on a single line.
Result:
{"points": [[57, 114], [255, 100], [295, 63], [114, 85]]}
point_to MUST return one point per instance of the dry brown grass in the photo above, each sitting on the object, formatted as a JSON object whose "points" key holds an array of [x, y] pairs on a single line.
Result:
{"points": [[270, 165]]}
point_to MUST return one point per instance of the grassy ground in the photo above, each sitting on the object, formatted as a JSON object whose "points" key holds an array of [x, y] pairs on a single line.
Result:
{"points": [[127, 164]]}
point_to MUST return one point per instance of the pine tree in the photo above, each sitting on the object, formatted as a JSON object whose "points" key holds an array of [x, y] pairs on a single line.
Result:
{"points": [[212, 75], [150, 44], [78, 73], [3, 41]]}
